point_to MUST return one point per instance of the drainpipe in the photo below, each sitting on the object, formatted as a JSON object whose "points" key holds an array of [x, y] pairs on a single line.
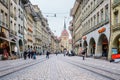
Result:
{"points": [[9, 27]]}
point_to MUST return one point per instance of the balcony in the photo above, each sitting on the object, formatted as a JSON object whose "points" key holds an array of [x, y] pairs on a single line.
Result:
{"points": [[13, 32], [115, 27], [4, 25], [116, 3], [38, 37]]}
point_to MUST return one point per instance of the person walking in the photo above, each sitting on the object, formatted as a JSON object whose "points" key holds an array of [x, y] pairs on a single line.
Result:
{"points": [[47, 54], [83, 54], [25, 54], [34, 54]]}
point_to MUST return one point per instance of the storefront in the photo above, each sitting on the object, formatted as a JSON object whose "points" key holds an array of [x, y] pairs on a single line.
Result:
{"points": [[114, 52], [102, 45], [92, 47], [4, 43]]}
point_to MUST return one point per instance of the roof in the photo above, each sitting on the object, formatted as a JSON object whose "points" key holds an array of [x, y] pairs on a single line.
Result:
{"points": [[64, 33]]}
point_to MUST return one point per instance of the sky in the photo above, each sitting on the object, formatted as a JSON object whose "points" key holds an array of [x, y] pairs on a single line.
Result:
{"points": [[59, 7]]}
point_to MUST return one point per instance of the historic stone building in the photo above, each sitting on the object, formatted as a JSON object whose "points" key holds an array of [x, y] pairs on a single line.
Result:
{"points": [[4, 26], [91, 27], [115, 27]]}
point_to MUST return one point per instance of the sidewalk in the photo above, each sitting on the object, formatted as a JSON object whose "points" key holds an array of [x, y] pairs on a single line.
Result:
{"points": [[4, 64]]}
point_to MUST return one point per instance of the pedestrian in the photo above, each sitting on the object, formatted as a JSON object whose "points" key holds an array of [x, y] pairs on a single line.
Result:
{"points": [[56, 53], [25, 54], [83, 54], [34, 54], [15, 50], [47, 54], [29, 52]]}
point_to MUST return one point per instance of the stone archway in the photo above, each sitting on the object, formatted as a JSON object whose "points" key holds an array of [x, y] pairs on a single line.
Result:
{"points": [[92, 47], [102, 46], [116, 43], [20, 45], [12, 45]]}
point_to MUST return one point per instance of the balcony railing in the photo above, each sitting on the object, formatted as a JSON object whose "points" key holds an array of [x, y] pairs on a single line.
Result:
{"points": [[115, 27], [38, 37], [116, 3]]}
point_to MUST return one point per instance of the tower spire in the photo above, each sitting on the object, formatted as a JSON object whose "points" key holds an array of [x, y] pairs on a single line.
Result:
{"points": [[64, 23]]}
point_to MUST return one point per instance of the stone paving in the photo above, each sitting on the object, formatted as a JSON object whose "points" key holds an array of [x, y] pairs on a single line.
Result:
{"points": [[56, 68]]}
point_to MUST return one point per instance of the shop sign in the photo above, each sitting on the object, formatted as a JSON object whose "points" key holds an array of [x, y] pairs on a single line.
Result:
{"points": [[102, 30]]}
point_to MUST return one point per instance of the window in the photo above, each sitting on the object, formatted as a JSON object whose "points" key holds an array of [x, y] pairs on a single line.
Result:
{"points": [[94, 20], [94, 2], [116, 19], [2, 15], [102, 15], [91, 5], [106, 12], [19, 26], [5, 20], [91, 22], [97, 17]]}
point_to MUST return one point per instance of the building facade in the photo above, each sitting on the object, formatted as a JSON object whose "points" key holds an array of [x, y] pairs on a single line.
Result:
{"points": [[23, 26], [4, 27], [91, 27], [115, 27]]}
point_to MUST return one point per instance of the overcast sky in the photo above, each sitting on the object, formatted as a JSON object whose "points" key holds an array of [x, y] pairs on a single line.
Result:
{"points": [[59, 7]]}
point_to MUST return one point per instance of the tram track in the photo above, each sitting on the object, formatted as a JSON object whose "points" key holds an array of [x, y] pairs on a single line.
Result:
{"points": [[95, 70], [14, 69]]}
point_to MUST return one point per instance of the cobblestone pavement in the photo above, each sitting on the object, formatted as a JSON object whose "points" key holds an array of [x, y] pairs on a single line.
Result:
{"points": [[63, 68]]}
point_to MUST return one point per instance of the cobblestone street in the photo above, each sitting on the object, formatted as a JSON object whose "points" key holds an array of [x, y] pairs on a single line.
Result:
{"points": [[60, 68]]}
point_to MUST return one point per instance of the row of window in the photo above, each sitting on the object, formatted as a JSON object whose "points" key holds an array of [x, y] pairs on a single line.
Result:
{"points": [[100, 16], [90, 5], [3, 18]]}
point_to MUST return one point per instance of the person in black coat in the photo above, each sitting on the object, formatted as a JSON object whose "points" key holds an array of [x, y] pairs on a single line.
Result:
{"points": [[25, 54], [47, 54]]}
